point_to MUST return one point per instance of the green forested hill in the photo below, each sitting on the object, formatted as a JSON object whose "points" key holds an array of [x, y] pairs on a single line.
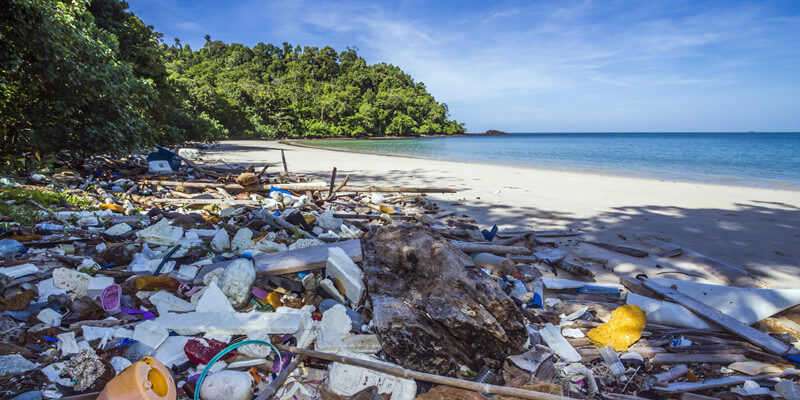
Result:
{"points": [[91, 77], [273, 91]]}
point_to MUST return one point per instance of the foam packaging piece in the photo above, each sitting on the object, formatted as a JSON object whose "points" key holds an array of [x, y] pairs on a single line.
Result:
{"points": [[341, 267]]}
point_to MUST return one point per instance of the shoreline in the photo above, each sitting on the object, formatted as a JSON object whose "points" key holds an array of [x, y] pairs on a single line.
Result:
{"points": [[756, 229], [722, 181]]}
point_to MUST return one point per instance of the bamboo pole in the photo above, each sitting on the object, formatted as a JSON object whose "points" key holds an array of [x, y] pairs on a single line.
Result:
{"points": [[442, 380], [300, 187], [468, 247]]}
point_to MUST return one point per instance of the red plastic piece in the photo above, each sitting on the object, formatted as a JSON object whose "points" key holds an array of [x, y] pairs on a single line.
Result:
{"points": [[201, 353]]}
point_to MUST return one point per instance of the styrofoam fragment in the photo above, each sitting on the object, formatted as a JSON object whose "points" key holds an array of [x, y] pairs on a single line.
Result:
{"points": [[269, 246], [221, 241], [119, 364], [334, 334], [118, 229], [341, 267], [187, 272], [166, 302], [67, 344], [256, 350], [97, 284], [71, 280], [49, 316], [150, 333], [162, 233], [243, 240], [347, 380], [214, 301], [171, 351], [327, 221], [227, 385], [330, 288], [303, 243]]}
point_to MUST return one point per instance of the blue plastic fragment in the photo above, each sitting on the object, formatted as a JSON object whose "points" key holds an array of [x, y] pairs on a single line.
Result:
{"points": [[536, 302], [51, 339], [489, 235]]}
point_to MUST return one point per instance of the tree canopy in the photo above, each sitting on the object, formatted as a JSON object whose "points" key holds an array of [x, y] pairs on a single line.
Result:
{"points": [[91, 77]]}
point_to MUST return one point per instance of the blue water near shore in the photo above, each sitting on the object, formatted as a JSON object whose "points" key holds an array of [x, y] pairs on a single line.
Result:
{"points": [[751, 159]]}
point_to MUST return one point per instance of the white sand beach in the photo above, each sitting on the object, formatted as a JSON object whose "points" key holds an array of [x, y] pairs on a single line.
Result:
{"points": [[756, 229]]}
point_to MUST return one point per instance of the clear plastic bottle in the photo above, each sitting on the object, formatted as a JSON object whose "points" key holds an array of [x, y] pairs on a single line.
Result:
{"points": [[237, 280], [612, 359]]}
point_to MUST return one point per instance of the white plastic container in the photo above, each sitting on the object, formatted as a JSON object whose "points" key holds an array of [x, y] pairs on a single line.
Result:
{"points": [[552, 336], [237, 280]]}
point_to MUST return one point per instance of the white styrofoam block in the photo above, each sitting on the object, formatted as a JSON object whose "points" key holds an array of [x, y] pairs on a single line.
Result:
{"points": [[162, 233], [71, 280], [214, 301], [227, 385], [347, 380], [49, 316], [97, 284], [166, 302], [221, 241], [150, 333], [232, 323], [187, 272], [67, 343], [342, 267], [118, 229], [171, 351]]}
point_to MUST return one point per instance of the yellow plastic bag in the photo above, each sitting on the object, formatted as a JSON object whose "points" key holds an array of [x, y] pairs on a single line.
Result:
{"points": [[624, 328]]}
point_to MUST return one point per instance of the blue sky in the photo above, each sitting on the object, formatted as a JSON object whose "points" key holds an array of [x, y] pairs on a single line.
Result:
{"points": [[546, 66]]}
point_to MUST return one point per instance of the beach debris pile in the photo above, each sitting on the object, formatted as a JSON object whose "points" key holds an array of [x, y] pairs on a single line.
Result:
{"points": [[156, 277]]}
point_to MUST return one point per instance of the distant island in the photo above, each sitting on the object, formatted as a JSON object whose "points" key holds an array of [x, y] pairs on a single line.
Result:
{"points": [[492, 132]]}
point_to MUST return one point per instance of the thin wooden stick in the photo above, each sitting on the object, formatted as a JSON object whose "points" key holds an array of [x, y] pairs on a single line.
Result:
{"points": [[263, 170], [301, 187], [442, 380], [333, 182], [280, 379], [285, 168]]}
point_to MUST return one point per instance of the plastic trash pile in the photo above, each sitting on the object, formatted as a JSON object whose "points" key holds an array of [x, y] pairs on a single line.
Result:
{"points": [[180, 281]]}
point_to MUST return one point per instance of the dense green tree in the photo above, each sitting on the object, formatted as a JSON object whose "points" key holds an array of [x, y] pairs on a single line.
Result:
{"points": [[90, 77], [286, 91]]}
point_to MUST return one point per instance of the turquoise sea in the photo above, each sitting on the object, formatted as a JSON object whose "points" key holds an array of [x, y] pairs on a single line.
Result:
{"points": [[752, 159]]}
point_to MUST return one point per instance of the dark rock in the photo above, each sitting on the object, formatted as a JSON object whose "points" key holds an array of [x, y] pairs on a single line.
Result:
{"points": [[431, 312], [184, 221]]}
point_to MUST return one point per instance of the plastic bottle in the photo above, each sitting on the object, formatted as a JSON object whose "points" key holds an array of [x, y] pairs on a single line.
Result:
{"points": [[518, 289], [612, 359], [146, 379], [9, 248], [237, 280]]}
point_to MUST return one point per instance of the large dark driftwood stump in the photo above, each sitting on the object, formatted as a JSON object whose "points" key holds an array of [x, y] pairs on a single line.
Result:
{"points": [[432, 310]]}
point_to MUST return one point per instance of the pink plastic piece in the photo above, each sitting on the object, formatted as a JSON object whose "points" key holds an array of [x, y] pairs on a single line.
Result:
{"points": [[110, 297]]}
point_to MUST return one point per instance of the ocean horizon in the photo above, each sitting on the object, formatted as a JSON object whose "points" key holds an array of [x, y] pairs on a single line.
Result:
{"points": [[761, 159]]}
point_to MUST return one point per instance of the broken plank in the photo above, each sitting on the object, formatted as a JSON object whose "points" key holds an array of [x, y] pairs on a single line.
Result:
{"points": [[752, 335], [628, 251]]}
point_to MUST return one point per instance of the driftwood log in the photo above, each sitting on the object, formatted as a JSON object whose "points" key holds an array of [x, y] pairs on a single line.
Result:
{"points": [[432, 310]]}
